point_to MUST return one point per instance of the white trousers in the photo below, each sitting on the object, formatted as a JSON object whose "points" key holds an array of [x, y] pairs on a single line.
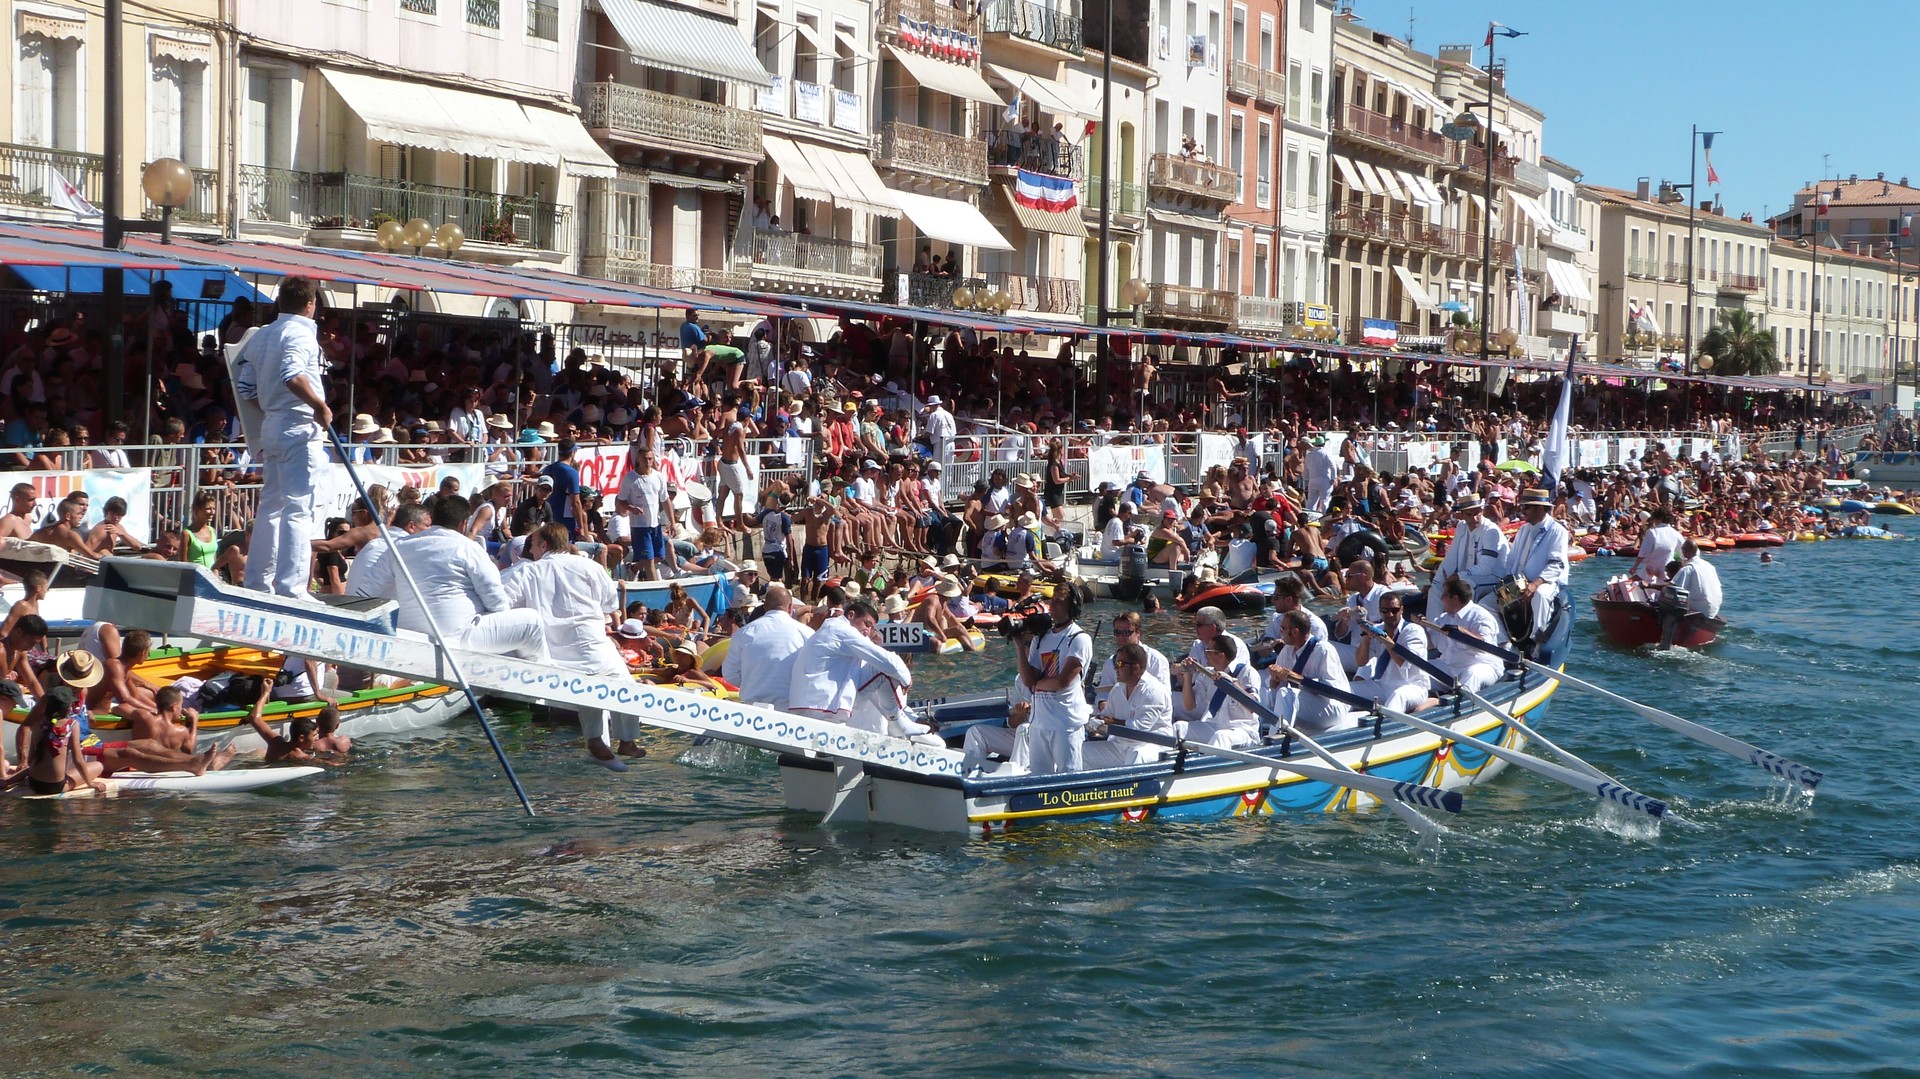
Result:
{"points": [[280, 551], [1401, 698], [1542, 603], [1115, 753], [1056, 750], [1209, 733], [603, 660], [519, 633], [991, 739], [1478, 676]]}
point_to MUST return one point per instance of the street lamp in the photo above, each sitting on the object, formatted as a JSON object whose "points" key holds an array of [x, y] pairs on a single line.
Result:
{"points": [[1461, 130]]}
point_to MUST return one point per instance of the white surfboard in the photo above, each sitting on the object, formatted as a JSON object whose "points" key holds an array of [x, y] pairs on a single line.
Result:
{"points": [[225, 782]]}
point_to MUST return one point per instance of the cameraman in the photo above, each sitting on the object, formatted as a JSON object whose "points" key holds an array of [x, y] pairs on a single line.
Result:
{"points": [[1053, 654]]}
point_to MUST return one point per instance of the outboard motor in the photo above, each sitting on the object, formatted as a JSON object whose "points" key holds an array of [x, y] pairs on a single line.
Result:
{"points": [[1133, 573], [1062, 544]]}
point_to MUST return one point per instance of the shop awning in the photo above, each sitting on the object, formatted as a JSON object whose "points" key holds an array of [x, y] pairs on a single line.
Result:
{"points": [[1059, 223], [1370, 179], [950, 221], [1349, 175], [951, 79], [850, 177], [1416, 291], [578, 153], [442, 118], [1421, 190], [797, 169], [1050, 96], [1390, 181], [1533, 210], [676, 39], [1569, 280]]}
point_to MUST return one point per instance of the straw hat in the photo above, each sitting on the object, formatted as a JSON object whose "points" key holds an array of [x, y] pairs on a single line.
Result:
{"points": [[1468, 504], [62, 338], [749, 566], [1027, 520], [950, 562], [851, 588], [499, 422], [385, 437], [590, 414], [686, 648], [433, 427], [896, 604], [1023, 481], [996, 522], [79, 670], [949, 588], [619, 417], [546, 430], [633, 629], [364, 424], [1536, 496]]}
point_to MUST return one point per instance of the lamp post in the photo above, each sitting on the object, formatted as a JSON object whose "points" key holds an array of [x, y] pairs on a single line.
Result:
{"points": [[1460, 131], [1103, 349]]}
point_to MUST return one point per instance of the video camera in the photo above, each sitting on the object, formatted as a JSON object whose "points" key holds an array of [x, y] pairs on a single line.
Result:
{"points": [[1037, 624]]}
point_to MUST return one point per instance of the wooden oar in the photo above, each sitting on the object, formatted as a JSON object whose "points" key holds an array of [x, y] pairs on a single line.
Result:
{"points": [[1784, 767], [1444, 678], [1604, 789], [1397, 804], [1387, 790]]}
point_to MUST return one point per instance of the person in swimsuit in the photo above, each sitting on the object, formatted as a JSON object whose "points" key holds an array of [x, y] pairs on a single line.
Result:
{"points": [[202, 541], [301, 742]]}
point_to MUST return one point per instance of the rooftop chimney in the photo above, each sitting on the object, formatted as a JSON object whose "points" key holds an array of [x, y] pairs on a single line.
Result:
{"points": [[1880, 176], [1644, 190], [1853, 177]]}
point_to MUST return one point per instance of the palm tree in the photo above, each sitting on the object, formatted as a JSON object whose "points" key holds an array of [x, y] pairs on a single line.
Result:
{"points": [[1739, 346]]}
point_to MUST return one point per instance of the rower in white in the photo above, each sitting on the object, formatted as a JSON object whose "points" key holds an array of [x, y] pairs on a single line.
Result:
{"points": [[1693, 591], [1138, 702], [1305, 656], [1657, 546], [461, 588], [1387, 677], [760, 660], [1471, 667], [1222, 720], [1209, 625], [573, 596], [1126, 631], [1363, 605]]}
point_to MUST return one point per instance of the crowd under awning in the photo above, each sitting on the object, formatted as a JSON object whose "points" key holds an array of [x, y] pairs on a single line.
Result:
{"points": [[1050, 96]]}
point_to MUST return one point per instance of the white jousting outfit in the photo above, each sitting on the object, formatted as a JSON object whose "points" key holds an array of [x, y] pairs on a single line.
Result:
{"points": [[830, 668], [293, 452], [1392, 681], [463, 593], [760, 659], [574, 595], [1312, 713], [1470, 666], [1475, 555], [1149, 707], [1223, 720], [1539, 553], [1060, 716]]}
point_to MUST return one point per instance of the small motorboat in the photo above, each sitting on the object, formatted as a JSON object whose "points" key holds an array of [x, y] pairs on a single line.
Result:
{"points": [[1630, 618]]}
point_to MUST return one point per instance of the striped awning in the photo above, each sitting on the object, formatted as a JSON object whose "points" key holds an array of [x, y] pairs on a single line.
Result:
{"points": [[1059, 223], [677, 39]]}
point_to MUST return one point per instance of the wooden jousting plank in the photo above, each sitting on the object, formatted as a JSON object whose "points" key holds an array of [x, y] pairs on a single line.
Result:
{"points": [[182, 598]]}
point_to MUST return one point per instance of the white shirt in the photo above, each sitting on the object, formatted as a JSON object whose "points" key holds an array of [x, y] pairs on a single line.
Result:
{"points": [[1456, 657], [1231, 714], [836, 661], [1394, 671], [940, 428], [1113, 537], [1314, 713], [643, 494], [1147, 707], [1539, 552], [1157, 670], [1657, 548], [286, 349], [760, 659], [455, 576], [1475, 554], [1702, 583], [1319, 627], [361, 569], [1050, 654], [575, 595], [1322, 470]]}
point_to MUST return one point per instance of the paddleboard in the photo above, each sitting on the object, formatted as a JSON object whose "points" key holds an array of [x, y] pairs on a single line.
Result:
{"points": [[223, 782]]}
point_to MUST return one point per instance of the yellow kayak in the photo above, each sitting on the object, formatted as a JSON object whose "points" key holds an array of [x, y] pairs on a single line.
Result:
{"points": [[1007, 584], [1897, 509]]}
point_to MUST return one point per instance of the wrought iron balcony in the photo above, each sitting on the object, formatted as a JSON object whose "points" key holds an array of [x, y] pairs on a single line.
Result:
{"points": [[813, 254], [930, 289], [282, 195], [1190, 178], [1129, 200], [202, 207], [1473, 160], [1251, 81], [932, 153], [1739, 282], [347, 200], [1047, 295], [1185, 302], [668, 121], [29, 175], [484, 13], [1037, 23], [1643, 267], [941, 14], [640, 271], [1382, 130], [1529, 177], [1037, 152]]}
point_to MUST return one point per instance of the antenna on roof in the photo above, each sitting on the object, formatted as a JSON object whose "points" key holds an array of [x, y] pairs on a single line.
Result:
{"points": [[1411, 19]]}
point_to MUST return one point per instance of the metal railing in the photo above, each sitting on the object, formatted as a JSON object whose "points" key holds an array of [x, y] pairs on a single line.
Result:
{"points": [[270, 194], [934, 153], [1039, 151], [1048, 295], [1673, 271], [1037, 23], [1253, 81], [942, 14], [1474, 160], [933, 290], [634, 270], [484, 13], [202, 206], [1130, 200], [1643, 267], [1529, 177], [1740, 282], [348, 200], [543, 20], [30, 175], [421, 7], [1192, 178], [629, 111], [1394, 132], [1188, 302], [814, 254]]}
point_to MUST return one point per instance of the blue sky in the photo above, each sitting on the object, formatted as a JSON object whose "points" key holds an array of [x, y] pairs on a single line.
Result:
{"points": [[1622, 81]]}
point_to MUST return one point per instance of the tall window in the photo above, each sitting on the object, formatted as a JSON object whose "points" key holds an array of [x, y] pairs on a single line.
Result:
{"points": [[1292, 177], [47, 105], [1293, 92], [1264, 189], [1313, 181], [1237, 151], [176, 110], [1319, 90]]}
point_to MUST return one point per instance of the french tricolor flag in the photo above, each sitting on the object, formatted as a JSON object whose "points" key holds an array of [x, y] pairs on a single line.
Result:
{"points": [[1038, 191], [909, 31]]}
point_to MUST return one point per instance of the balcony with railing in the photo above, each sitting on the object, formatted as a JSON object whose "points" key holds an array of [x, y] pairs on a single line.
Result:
{"points": [[1189, 179], [1262, 313], [670, 122], [31, 175], [785, 253], [940, 14], [1043, 295], [634, 267], [1354, 222], [1529, 178], [1673, 270], [1379, 129], [1038, 24], [344, 200], [1643, 267], [202, 206], [1185, 303], [909, 148], [1567, 237], [1129, 200], [1739, 282], [1253, 82], [543, 20], [1039, 151], [1473, 160], [280, 196], [929, 289]]}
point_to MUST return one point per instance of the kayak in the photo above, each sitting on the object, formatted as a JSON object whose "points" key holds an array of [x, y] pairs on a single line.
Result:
{"points": [[230, 781], [1897, 509], [1007, 584]]}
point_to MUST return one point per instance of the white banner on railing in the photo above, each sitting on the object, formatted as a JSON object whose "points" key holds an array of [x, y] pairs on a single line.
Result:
{"points": [[1426, 454], [1216, 450], [335, 491], [1592, 453], [133, 484], [1634, 448], [1119, 465]]}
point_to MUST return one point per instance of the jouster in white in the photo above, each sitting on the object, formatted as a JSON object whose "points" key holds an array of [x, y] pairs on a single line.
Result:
{"points": [[279, 370], [573, 597], [761, 658], [1470, 666], [462, 590], [1475, 554], [840, 658], [1538, 554]]}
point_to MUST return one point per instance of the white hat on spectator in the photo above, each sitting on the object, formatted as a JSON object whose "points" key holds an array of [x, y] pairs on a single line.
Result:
{"points": [[546, 430], [633, 629], [385, 437], [499, 422], [933, 400], [363, 425]]}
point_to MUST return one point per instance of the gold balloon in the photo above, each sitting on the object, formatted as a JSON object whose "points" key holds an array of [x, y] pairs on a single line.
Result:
{"points": [[418, 232], [390, 234]]}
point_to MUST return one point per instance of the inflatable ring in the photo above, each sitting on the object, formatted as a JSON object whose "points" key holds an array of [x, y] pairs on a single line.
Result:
{"points": [[1368, 544]]}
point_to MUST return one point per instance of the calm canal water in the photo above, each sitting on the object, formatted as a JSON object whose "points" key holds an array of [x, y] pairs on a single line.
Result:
{"points": [[400, 917]]}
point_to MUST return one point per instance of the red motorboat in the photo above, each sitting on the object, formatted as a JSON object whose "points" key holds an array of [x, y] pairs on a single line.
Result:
{"points": [[1630, 618]]}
